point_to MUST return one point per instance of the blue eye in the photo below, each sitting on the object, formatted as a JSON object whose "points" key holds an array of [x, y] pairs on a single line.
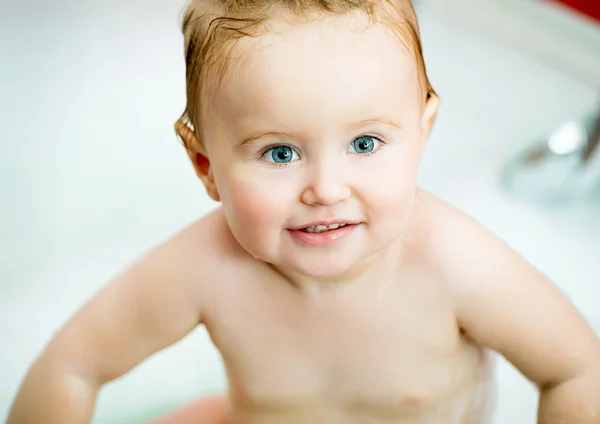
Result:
{"points": [[280, 154], [364, 144]]}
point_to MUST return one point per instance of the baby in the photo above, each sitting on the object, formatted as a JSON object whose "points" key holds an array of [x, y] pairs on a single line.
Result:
{"points": [[336, 290]]}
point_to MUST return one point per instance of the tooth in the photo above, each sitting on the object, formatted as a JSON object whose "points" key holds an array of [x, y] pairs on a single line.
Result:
{"points": [[321, 228]]}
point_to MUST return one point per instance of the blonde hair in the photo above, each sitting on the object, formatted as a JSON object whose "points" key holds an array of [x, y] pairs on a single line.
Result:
{"points": [[211, 29]]}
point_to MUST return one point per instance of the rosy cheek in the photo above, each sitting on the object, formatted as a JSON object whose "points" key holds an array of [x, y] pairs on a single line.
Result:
{"points": [[255, 203], [395, 196]]}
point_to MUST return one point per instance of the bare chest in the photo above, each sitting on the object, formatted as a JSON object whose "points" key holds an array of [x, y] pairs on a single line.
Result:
{"points": [[397, 352]]}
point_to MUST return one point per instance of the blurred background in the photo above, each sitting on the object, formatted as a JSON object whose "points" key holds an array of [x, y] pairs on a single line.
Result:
{"points": [[92, 175]]}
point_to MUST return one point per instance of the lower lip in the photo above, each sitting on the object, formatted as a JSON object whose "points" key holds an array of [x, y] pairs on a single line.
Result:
{"points": [[324, 238]]}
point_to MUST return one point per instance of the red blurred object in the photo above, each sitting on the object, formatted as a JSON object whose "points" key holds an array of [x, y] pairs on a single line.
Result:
{"points": [[590, 8]]}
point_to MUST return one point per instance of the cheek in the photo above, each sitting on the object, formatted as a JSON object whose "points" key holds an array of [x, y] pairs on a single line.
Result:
{"points": [[395, 177], [391, 192], [256, 203]]}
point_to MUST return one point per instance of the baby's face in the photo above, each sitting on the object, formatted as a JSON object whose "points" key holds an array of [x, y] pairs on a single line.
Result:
{"points": [[322, 123]]}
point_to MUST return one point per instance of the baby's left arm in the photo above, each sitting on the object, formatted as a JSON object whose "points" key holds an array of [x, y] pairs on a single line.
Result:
{"points": [[504, 304]]}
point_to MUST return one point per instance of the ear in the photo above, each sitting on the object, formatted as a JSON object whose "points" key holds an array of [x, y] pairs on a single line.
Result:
{"points": [[199, 158], [429, 114]]}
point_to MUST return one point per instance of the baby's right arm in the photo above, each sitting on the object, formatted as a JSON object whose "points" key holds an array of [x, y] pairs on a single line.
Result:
{"points": [[151, 306]]}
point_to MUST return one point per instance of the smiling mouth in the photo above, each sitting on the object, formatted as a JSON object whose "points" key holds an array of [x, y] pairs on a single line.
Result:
{"points": [[322, 228], [323, 233]]}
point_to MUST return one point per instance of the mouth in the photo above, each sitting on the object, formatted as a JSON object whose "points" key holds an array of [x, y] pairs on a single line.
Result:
{"points": [[323, 233], [322, 227]]}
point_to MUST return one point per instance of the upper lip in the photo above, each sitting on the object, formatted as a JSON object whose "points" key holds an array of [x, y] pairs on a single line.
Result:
{"points": [[326, 223]]}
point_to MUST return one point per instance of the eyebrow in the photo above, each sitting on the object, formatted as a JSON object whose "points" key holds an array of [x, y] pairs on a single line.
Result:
{"points": [[378, 120], [290, 136], [255, 136]]}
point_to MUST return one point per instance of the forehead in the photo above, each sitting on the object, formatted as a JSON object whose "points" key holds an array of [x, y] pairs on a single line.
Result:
{"points": [[323, 71]]}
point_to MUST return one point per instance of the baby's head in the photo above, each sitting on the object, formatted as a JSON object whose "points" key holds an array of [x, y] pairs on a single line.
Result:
{"points": [[307, 111]]}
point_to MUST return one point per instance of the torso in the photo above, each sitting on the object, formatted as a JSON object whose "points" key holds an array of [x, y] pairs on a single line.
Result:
{"points": [[387, 351]]}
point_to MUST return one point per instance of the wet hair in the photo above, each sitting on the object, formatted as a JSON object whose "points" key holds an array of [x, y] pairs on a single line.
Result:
{"points": [[212, 28]]}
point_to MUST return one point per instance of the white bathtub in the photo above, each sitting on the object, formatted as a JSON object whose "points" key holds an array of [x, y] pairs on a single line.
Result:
{"points": [[92, 175]]}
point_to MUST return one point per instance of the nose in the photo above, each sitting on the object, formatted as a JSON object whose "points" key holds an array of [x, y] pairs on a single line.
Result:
{"points": [[326, 186]]}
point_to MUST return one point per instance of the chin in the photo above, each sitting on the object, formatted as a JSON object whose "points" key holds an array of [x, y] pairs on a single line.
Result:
{"points": [[324, 269]]}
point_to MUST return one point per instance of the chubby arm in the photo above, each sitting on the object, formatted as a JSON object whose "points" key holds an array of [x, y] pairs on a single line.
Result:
{"points": [[146, 309], [504, 304]]}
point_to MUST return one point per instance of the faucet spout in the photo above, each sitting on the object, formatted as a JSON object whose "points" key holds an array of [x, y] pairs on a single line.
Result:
{"points": [[562, 167]]}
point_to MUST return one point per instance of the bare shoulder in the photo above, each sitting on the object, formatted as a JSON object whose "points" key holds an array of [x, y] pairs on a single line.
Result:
{"points": [[501, 300], [472, 262], [151, 305], [457, 244], [196, 254]]}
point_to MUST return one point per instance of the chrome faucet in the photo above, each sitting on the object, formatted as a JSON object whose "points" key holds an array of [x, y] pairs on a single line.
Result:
{"points": [[561, 169]]}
